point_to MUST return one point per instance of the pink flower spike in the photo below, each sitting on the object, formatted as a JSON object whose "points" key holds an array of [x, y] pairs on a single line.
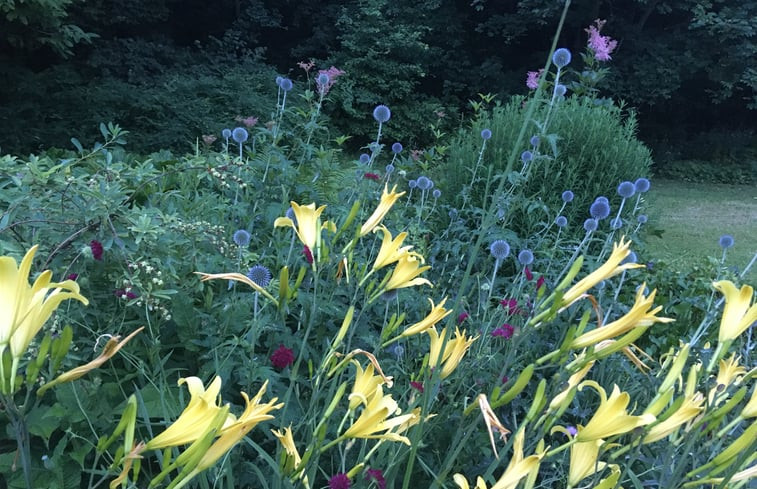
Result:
{"points": [[601, 45], [532, 79]]}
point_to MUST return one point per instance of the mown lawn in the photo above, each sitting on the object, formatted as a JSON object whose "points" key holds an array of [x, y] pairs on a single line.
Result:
{"points": [[693, 216]]}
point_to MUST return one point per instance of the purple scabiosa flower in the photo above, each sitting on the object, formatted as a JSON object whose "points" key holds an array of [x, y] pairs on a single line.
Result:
{"points": [[462, 317], [561, 57], [590, 225], [72, 276], [499, 249], [260, 275], [241, 237], [339, 481], [534, 141], [282, 358], [505, 331], [561, 90], [567, 196], [397, 148], [365, 158], [526, 257], [239, 135], [424, 183], [616, 223], [526, 156], [97, 249], [226, 133], [486, 134], [286, 84], [436, 193], [561, 221], [377, 476], [372, 176], [599, 209], [412, 184], [726, 241], [642, 219], [382, 113], [641, 185], [626, 190]]}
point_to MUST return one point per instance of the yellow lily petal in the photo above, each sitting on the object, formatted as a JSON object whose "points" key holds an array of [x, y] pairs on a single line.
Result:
{"points": [[453, 352], [690, 408], [406, 273], [611, 417], [308, 227], [750, 410], [573, 381], [391, 249], [387, 201], [738, 315], [729, 372], [437, 314], [364, 387], [375, 421]]}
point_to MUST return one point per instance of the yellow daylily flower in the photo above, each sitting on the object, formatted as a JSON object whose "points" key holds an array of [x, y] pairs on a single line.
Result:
{"points": [[197, 417], [640, 315], [364, 387], [729, 372], [690, 407], [493, 424], [750, 410], [609, 269], [611, 417], [462, 482], [375, 421], [612, 481], [387, 201], [406, 273], [453, 351], [292, 456], [308, 227], [437, 314], [573, 381], [25, 308], [583, 457], [738, 315], [391, 250]]}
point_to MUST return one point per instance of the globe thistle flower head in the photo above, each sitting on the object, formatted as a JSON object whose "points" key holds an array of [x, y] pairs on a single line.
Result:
{"points": [[424, 183], [561, 57], [567, 196], [322, 80], [486, 134], [260, 275], [240, 135], [602, 198], [561, 90], [726, 241], [397, 148], [626, 190], [526, 156], [616, 223], [226, 133], [631, 258], [382, 113], [535, 141], [561, 221], [286, 84], [453, 214], [365, 158], [525, 257], [642, 219], [641, 185], [290, 214], [599, 209], [590, 225], [499, 249], [241, 238], [436, 193], [389, 168], [412, 184], [279, 79]]}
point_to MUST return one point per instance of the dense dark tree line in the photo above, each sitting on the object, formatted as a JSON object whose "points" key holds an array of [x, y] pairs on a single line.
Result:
{"points": [[688, 66]]}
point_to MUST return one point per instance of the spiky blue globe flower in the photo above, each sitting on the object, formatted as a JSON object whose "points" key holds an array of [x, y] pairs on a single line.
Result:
{"points": [[226, 133], [726, 241], [616, 223], [526, 156], [291, 215], [436, 193], [590, 225], [365, 158], [499, 249], [453, 214], [322, 80], [561, 90], [286, 84], [279, 79], [626, 190], [561, 221], [389, 168], [641, 184], [642, 219], [631, 258], [486, 134], [561, 57], [599, 209], [260, 275], [241, 238], [602, 198], [240, 134], [526, 257], [397, 148], [534, 141], [382, 113], [424, 183], [567, 196], [412, 184]]}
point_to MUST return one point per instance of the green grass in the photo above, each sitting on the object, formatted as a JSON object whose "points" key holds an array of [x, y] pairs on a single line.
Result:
{"points": [[693, 216]]}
